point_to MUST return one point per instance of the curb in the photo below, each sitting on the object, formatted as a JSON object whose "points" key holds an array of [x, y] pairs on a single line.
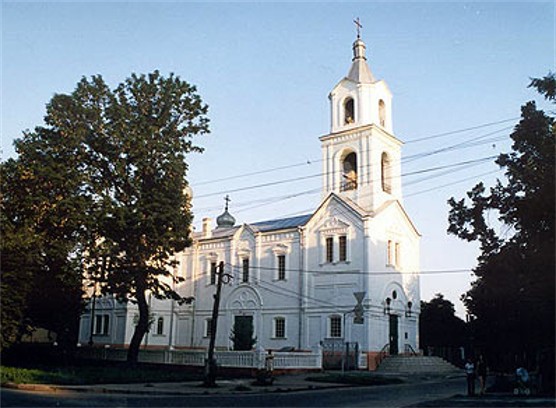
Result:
{"points": [[209, 391], [31, 387]]}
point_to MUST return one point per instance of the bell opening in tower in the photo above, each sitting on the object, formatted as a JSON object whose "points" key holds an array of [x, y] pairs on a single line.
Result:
{"points": [[386, 176], [349, 168], [349, 111]]}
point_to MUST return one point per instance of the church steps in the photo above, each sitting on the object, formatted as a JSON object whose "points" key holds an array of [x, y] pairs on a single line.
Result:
{"points": [[416, 364]]}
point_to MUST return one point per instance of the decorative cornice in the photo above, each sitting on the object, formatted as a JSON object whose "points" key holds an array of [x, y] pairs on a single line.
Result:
{"points": [[357, 132]]}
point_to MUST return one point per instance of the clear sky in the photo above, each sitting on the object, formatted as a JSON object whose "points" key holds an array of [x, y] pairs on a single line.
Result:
{"points": [[265, 70]]}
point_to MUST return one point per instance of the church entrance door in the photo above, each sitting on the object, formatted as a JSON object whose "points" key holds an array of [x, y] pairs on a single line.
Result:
{"points": [[242, 333], [393, 334]]}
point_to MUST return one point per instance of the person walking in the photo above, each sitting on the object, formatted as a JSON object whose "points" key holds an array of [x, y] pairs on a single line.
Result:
{"points": [[470, 373], [482, 374]]}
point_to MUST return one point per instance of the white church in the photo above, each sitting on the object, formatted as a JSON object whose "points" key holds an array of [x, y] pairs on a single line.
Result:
{"points": [[296, 279]]}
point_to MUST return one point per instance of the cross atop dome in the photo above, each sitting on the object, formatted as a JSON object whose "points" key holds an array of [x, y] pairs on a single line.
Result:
{"points": [[359, 27], [225, 220]]}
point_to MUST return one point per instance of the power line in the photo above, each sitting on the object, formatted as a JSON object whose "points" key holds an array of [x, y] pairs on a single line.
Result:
{"points": [[311, 161], [356, 272], [421, 139], [289, 166], [462, 145], [421, 155], [453, 183], [289, 180], [272, 200]]}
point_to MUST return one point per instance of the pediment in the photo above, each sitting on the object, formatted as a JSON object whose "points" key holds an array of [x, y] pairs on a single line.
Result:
{"points": [[244, 236], [335, 213], [334, 224]]}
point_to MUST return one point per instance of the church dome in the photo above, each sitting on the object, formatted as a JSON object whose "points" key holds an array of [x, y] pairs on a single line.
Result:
{"points": [[225, 220]]}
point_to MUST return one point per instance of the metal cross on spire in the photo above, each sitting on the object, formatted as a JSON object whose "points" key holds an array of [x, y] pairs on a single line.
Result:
{"points": [[227, 199], [359, 27]]}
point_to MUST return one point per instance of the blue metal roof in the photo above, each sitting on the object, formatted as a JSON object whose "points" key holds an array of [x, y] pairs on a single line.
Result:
{"points": [[282, 223]]}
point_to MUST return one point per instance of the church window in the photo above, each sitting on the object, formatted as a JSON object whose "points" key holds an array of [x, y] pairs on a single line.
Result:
{"points": [[394, 253], [349, 111], [160, 325], [335, 326], [213, 273], [381, 112], [330, 249], [245, 270], [390, 260], [386, 176], [102, 324], [343, 248], [208, 327], [281, 267], [279, 328], [349, 167]]}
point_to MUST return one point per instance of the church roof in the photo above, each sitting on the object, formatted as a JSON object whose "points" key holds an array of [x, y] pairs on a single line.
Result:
{"points": [[282, 223], [261, 226]]}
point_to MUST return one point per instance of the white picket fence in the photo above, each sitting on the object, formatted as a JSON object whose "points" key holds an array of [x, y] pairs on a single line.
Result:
{"points": [[236, 359]]}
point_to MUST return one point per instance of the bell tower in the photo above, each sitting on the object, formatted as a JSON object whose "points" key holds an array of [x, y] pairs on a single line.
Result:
{"points": [[361, 155]]}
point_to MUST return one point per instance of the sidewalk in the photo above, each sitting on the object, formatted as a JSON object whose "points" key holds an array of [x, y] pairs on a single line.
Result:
{"points": [[506, 400], [283, 383]]}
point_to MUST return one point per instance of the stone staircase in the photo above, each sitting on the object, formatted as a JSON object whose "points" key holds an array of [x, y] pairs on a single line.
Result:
{"points": [[403, 364]]}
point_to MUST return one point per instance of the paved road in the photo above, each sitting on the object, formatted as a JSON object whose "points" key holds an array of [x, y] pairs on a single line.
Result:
{"points": [[378, 396]]}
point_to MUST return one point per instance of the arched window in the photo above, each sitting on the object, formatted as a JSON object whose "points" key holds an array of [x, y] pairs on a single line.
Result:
{"points": [[349, 172], [160, 326], [386, 173], [349, 111], [381, 112]]}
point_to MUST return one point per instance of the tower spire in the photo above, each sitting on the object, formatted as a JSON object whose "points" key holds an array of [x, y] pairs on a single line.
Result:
{"points": [[360, 71]]}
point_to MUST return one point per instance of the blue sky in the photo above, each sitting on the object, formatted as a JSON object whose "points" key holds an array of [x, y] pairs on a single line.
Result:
{"points": [[265, 70]]}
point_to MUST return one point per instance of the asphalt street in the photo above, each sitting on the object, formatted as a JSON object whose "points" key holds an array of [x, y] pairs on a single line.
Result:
{"points": [[377, 396]]}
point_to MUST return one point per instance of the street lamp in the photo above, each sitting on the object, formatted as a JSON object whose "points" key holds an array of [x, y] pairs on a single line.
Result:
{"points": [[409, 306], [387, 307]]}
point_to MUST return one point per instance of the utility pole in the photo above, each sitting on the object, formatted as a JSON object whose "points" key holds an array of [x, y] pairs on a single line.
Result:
{"points": [[210, 364], [93, 303]]}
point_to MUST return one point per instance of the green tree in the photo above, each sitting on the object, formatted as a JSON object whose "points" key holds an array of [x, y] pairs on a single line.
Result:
{"points": [[120, 156], [20, 260], [438, 324], [512, 299], [42, 223]]}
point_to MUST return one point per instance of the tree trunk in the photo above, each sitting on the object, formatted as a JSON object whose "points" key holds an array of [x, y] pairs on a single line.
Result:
{"points": [[142, 325]]}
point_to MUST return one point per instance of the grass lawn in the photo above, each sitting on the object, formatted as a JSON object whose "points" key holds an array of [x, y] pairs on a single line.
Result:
{"points": [[81, 375], [356, 378]]}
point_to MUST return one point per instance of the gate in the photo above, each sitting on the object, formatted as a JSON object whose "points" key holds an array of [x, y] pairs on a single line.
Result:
{"points": [[338, 354]]}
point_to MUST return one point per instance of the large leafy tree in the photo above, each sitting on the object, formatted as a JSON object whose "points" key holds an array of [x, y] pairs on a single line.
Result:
{"points": [[42, 222], [439, 326], [20, 260], [512, 299], [122, 153]]}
